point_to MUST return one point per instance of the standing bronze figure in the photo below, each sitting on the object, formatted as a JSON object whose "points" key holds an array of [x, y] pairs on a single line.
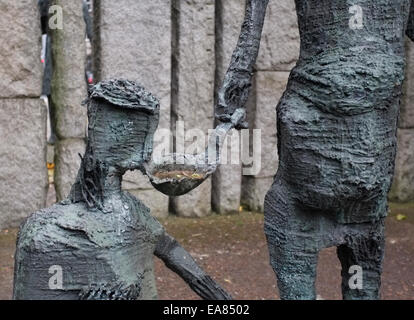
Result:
{"points": [[337, 125]]}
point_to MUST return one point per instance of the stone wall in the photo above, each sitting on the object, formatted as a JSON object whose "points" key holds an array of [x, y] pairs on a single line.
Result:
{"points": [[403, 187], [23, 173], [180, 51], [193, 90], [67, 93], [227, 180]]}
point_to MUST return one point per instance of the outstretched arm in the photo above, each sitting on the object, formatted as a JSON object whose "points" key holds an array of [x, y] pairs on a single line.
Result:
{"points": [[237, 81], [181, 262], [410, 26]]}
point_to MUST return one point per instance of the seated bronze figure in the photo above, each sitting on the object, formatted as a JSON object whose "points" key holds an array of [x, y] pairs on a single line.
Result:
{"points": [[102, 238]]}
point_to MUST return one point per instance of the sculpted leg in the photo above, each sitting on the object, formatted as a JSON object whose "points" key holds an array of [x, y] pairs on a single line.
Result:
{"points": [[364, 251], [293, 244], [295, 271]]}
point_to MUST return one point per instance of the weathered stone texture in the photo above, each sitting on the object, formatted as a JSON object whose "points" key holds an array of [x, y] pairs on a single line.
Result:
{"points": [[403, 187], [68, 80], [194, 204], [226, 181], [20, 67], [268, 87], [23, 120], [229, 18], [407, 102], [133, 41], [195, 66], [403, 184], [226, 191], [193, 94], [279, 48], [254, 191], [23, 156], [67, 162]]}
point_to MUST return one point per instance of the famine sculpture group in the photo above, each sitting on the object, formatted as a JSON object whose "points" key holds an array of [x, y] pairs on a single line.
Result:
{"points": [[337, 124]]}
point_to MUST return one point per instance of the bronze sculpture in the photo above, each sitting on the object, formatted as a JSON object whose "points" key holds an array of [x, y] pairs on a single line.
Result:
{"points": [[337, 123], [101, 240], [337, 143]]}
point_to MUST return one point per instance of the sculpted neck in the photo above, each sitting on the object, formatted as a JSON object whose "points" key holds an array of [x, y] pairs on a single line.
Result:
{"points": [[98, 185], [111, 182]]}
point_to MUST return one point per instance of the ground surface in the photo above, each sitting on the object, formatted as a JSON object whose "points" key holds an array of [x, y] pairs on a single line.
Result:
{"points": [[232, 250]]}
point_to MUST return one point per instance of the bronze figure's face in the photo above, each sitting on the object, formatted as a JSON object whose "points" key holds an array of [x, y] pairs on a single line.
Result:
{"points": [[122, 124]]}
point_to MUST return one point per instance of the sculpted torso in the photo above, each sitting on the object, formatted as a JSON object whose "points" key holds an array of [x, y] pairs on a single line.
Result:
{"points": [[338, 116], [352, 52], [101, 255]]}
